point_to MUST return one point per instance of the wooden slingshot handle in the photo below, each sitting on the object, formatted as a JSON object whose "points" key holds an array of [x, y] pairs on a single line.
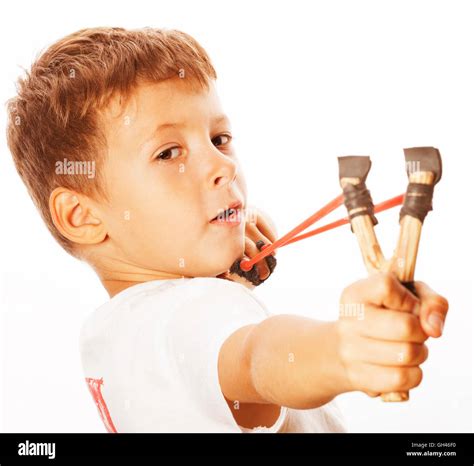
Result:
{"points": [[353, 171], [424, 169]]}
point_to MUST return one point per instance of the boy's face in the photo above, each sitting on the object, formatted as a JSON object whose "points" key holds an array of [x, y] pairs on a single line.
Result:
{"points": [[166, 183]]}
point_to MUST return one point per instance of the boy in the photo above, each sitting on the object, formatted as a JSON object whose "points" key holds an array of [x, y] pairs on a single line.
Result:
{"points": [[183, 345]]}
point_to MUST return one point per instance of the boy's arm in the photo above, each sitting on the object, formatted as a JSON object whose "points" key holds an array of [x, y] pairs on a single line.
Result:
{"points": [[285, 360], [302, 363]]}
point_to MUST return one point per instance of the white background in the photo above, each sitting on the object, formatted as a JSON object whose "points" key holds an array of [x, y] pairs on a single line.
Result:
{"points": [[303, 83]]}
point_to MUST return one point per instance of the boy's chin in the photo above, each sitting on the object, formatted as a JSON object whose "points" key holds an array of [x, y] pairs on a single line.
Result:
{"points": [[226, 254], [226, 264]]}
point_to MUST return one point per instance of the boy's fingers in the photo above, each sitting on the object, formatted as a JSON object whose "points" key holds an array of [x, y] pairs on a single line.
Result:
{"points": [[252, 231], [251, 250], [391, 325], [433, 309], [255, 235], [382, 289], [383, 379], [264, 224], [388, 353]]}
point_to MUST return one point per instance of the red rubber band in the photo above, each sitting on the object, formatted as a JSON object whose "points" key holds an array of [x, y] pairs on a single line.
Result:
{"points": [[290, 237]]}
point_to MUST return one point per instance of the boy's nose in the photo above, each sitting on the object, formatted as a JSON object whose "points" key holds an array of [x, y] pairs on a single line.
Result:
{"points": [[222, 180], [223, 170]]}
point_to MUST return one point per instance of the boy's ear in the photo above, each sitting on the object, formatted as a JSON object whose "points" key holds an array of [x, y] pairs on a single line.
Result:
{"points": [[73, 218]]}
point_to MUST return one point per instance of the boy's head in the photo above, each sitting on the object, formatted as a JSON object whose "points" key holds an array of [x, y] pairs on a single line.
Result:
{"points": [[121, 140]]}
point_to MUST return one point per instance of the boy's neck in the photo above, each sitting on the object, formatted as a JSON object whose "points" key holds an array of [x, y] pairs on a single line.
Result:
{"points": [[115, 286]]}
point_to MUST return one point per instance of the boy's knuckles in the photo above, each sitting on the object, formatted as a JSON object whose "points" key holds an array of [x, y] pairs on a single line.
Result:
{"points": [[418, 377], [411, 353], [404, 378], [374, 379], [415, 353], [399, 378], [423, 354], [385, 283], [408, 326]]}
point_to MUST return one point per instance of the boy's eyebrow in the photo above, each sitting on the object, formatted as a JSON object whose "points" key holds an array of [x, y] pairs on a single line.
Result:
{"points": [[216, 120], [221, 118]]}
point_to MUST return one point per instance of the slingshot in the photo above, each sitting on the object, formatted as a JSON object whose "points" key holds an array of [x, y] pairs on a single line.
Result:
{"points": [[424, 168]]}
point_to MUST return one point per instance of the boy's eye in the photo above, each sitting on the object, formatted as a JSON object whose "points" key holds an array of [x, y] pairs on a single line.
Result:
{"points": [[168, 154], [222, 139]]}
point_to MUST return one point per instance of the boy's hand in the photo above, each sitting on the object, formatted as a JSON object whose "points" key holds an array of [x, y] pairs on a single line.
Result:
{"points": [[382, 329], [258, 227]]}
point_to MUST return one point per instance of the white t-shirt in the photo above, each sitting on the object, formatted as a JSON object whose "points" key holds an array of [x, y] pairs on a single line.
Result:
{"points": [[150, 359]]}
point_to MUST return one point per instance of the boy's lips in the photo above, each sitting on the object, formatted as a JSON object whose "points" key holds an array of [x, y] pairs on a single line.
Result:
{"points": [[231, 216]]}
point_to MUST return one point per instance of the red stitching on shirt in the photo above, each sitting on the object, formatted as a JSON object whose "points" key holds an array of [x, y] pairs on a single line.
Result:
{"points": [[94, 388]]}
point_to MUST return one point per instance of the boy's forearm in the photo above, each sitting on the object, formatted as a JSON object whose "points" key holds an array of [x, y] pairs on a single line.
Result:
{"points": [[294, 361]]}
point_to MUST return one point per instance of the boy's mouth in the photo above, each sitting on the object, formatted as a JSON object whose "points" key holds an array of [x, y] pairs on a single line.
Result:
{"points": [[230, 216]]}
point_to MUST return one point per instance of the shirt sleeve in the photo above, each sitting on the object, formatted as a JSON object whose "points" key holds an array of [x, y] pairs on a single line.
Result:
{"points": [[211, 310]]}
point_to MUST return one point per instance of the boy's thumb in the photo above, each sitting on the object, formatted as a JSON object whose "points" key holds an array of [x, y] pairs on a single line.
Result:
{"points": [[433, 309]]}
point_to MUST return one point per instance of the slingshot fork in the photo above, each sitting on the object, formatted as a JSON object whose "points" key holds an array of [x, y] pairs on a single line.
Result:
{"points": [[424, 168]]}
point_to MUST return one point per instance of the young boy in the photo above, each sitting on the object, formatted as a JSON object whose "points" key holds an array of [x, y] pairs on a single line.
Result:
{"points": [[121, 139]]}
